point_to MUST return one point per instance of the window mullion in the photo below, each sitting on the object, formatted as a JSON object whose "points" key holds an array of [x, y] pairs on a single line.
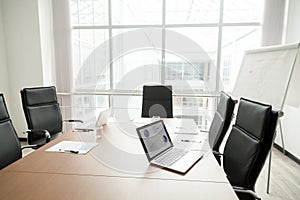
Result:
{"points": [[110, 44], [111, 76], [218, 70], [163, 64]]}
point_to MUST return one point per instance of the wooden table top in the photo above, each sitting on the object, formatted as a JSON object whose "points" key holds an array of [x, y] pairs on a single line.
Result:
{"points": [[27, 185], [116, 168]]}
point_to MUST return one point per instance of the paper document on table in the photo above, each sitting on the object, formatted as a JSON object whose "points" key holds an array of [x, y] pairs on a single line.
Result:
{"points": [[72, 147]]}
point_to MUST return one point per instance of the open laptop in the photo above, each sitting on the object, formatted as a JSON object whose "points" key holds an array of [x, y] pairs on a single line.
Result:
{"points": [[103, 117], [101, 120], [160, 150]]}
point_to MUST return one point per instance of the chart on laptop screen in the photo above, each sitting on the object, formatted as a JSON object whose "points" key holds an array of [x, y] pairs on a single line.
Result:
{"points": [[155, 138]]}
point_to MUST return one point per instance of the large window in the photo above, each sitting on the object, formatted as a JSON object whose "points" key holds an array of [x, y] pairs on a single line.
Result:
{"points": [[194, 45]]}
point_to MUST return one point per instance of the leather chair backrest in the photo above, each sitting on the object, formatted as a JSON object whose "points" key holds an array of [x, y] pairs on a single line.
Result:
{"points": [[157, 101], [41, 109], [249, 142], [10, 148], [221, 121]]}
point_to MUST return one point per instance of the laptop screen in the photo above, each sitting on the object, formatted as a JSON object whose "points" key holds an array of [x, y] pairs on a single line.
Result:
{"points": [[155, 138], [103, 117]]}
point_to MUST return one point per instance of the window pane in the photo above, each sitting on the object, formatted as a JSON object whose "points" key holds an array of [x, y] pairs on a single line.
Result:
{"points": [[126, 107], [190, 65], [88, 107], [192, 12], [201, 109], [90, 60], [243, 10], [89, 12], [235, 41], [137, 58], [129, 12]]}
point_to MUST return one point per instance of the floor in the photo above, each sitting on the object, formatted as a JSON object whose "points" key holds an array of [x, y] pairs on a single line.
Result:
{"points": [[285, 178]]}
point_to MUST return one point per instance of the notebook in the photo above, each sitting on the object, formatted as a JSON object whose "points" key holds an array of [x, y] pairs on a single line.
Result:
{"points": [[160, 150]]}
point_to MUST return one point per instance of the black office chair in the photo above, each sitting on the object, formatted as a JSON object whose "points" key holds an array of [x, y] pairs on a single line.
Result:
{"points": [[42, 112], [157, 101], [248, 145], [221, 123], [10, 148]]}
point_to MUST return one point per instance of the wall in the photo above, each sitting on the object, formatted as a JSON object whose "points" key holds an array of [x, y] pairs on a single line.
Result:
{"points": [[4, 85], [47, 41], [291, 119], [23, 52], [293, 20]]}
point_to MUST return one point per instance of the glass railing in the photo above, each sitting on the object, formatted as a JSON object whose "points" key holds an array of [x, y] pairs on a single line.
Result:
{"points": [[87, 106]]}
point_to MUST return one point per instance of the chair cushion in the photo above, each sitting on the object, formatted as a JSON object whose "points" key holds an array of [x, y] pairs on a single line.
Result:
{"points": [[252, 118], [239, 153], [221, 121], [215, 129], [46, 117], [157, 108], [223, 104], [10, 148], [157, 101], [37, 96], [157, 92], [3, 111]]}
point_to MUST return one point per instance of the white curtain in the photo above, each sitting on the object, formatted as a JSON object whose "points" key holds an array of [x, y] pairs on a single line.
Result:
{"points": [[63, 54], [63, 44], [273, 22]]}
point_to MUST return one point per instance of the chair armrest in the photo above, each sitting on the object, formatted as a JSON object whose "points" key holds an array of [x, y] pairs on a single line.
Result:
{"points": [[33, 146], [217, 153], [218, 156], [72, 120], [40, 131], [246, 190], [37, 135]]}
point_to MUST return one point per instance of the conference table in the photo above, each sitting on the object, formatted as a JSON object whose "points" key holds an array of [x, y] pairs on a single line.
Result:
{"points": [[116, 168]]}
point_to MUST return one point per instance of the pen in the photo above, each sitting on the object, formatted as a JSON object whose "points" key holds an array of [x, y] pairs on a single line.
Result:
{"points": [[69, 151], [190, 141], [83, 129]]}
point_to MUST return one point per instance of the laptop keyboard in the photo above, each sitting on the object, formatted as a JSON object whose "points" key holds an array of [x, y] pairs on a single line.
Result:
{"points": [[171, 157]]}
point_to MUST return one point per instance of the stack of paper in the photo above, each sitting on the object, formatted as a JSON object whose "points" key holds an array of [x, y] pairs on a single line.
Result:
{"points": [[72, 147]]}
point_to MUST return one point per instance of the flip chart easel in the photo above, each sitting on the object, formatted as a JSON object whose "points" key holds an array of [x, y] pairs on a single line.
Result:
{"points": [[265, 75]]}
